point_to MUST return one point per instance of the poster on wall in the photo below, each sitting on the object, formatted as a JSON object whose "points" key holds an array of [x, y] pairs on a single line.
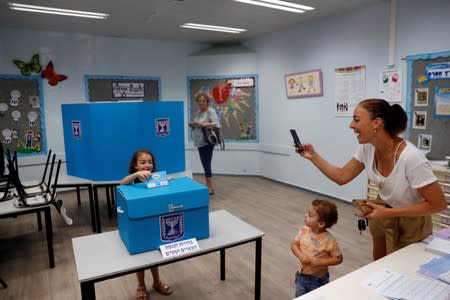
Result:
{"points": [[442, 102], [128, 90], [234, 99], [420, 120], [391, 85], [424, 142], [421, 97], [350, 86], [304, 84], [22, 119]]}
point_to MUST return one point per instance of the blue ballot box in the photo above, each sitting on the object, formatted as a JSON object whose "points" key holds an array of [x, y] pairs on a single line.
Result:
{"points": [[151, 217]]}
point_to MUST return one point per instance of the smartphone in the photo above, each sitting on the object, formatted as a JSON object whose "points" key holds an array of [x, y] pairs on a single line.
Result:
{"points": [[298, 145]]}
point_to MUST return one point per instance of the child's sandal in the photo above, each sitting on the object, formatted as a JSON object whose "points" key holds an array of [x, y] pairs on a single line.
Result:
{"points": [[141, 293], [162, 288]]}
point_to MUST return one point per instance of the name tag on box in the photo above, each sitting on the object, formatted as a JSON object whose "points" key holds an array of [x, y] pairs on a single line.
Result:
{"points": [[158, 179], [179, 248]]}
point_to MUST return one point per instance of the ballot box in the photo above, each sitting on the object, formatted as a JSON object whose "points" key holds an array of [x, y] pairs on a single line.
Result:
{"points": [[150, 217]]}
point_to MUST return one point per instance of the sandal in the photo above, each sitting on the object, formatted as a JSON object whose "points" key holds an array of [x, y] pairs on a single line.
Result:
{"points": [[141, 293], [162, 288]]}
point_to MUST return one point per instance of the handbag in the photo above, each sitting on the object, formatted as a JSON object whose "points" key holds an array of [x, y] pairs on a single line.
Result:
{"points": [[214, 136]]}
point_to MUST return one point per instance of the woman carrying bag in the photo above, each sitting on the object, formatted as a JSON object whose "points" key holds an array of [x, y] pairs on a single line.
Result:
{"points": [[205, 118]]}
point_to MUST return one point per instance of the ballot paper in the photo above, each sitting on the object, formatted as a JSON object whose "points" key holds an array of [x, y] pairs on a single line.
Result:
{"points": [[393, 285]]}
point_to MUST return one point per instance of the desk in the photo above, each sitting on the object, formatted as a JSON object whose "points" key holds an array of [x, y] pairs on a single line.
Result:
{"points": [[404, 261], [7, 209], [111, 259]]}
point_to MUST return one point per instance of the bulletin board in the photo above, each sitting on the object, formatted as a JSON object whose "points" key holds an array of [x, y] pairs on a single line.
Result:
{"points": [[235, 100], [428, 103], [121, 88], [22, 119]]}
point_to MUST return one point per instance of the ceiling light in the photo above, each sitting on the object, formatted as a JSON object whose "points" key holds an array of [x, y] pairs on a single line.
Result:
{"points": [[289, 4], [277, 4], [212, 28], [57, 11]]}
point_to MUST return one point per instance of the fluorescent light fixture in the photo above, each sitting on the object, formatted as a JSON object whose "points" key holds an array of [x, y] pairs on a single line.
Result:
{"points": [[57, 11], [213, 28], [289, 4], [277, 4]]}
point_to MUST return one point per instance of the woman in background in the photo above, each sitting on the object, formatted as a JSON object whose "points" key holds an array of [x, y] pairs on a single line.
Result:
{"points": [[206, 117]]}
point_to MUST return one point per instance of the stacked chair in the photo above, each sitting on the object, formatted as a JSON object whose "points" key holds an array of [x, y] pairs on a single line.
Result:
{"points": [[42, 193]]}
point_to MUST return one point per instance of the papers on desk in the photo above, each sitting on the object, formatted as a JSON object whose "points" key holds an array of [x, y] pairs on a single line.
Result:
{"points": [[435, 267], [393, 285], [443, 233], [439, 246]]}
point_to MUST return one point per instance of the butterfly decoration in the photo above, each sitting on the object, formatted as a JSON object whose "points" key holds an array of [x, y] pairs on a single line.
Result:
{"points": [[51, 76], [26, 68]]}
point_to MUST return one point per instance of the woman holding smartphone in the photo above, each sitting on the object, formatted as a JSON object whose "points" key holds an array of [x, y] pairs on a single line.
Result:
{"points": [[404, 176]]}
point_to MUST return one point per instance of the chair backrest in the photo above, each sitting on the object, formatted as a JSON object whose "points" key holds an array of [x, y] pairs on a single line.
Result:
{"points": [[46, 167], [49, 180], [2, 161], [55, 181], [14, 177]]}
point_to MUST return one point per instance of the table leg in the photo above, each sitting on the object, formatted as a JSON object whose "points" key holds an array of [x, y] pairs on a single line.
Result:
{"points": [[258, 254], [108, 201], [92, 208], [222, 264], [113, 196], [39, 220], [97, 210], [78, 196], [87, 291], [49, 231]]}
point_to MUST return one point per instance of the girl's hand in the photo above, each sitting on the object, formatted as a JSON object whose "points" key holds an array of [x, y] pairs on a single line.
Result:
{"points": [[142, 175]]}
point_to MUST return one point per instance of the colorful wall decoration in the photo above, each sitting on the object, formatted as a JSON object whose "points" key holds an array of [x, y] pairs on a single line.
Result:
{"points": [[428, 103], [235, 100], [22, 119]]}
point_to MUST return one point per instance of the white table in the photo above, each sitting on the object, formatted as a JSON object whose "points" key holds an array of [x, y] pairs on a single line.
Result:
{"points": [[348, 287], [111, 258], [7, 209]]}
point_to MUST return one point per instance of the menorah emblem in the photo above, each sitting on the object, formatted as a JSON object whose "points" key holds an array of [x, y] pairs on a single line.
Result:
{"points": [[172, 222], [171, 226]]}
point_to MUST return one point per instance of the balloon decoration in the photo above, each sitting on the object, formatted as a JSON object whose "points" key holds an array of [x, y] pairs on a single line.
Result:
{"points": [[221, 92], [51, 76], [26, 68]]}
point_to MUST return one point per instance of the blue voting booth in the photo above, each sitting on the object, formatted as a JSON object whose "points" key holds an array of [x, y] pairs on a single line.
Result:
{"points": [[99, 138], [151, 217]]}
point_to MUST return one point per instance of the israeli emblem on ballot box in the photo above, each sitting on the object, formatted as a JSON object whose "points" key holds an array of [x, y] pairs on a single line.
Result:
{"points": [[171, 227]]}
